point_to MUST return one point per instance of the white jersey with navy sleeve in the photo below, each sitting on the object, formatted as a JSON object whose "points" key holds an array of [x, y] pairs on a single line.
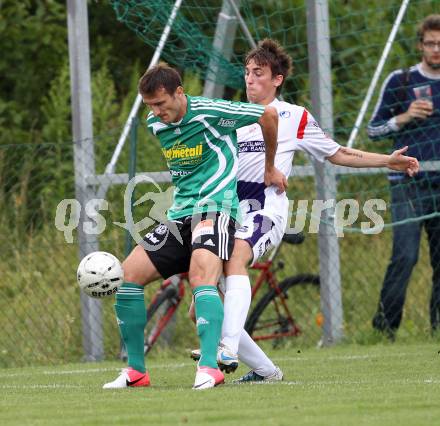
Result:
{"points": [[297, 131]]}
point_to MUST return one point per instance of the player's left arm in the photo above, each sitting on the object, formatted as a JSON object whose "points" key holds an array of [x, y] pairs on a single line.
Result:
{"points": [[357, 158], [269, 127]]}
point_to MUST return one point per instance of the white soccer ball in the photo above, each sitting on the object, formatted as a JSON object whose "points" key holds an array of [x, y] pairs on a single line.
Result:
{"points": [[100, 274]]}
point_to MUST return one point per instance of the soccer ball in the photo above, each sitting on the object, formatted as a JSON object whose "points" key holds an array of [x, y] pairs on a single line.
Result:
{"points": [[100, 274]]}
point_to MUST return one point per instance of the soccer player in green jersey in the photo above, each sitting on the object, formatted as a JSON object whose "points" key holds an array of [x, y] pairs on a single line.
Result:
{"points": [[199, 142]]}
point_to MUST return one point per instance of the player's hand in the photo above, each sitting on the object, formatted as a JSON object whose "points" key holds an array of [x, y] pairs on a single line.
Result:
{"points": [[403, 163], [274, 177]]}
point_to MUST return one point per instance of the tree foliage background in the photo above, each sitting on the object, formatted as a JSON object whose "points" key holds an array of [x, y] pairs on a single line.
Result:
{"points": [[35, 92]]}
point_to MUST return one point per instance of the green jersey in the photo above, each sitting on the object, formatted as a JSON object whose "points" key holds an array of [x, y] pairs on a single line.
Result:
{"points": [[202, 155]]}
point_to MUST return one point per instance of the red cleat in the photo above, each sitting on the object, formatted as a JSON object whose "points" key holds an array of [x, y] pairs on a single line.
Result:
{"points": [[207, 377], [129, 377]]}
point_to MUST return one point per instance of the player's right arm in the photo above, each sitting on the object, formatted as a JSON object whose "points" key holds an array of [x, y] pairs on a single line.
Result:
{"points": [[315, 142], [397, 161]]}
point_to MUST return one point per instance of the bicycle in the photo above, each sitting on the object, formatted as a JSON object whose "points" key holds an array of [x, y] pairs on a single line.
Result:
{"points": [[272, 316]]}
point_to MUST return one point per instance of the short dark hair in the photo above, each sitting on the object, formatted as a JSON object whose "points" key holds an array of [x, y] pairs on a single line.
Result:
{"points": [[161, 75], [430, 23], [269, 52]]}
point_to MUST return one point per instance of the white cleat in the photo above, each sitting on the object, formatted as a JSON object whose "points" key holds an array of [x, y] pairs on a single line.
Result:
{"points": [[129, 378], [252, 377], [207, 377], [226, 359]]}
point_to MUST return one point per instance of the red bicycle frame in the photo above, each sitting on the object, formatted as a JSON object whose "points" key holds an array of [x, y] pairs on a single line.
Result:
{"points": [[268, 276]]}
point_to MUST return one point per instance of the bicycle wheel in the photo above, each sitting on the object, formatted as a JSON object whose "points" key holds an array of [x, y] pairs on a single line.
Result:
{"points": [[293, 309], [159, 313]]}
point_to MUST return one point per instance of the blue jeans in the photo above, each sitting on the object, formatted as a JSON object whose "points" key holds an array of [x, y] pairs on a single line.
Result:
{"points": [[410, 199]]}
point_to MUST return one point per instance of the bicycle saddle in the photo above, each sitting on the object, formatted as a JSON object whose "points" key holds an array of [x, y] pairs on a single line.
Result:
{"points": [[294, 238]]}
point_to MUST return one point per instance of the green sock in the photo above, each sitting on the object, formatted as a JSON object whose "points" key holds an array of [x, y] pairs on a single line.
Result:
{"points": [[209, 319], [132, 318]]}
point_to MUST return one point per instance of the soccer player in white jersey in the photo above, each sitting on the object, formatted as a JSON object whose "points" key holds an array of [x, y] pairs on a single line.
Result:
{"points": [[198, 139], [265, 218]]}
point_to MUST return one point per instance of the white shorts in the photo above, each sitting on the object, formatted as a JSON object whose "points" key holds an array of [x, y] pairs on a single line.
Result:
{"points": [[261, 231]]}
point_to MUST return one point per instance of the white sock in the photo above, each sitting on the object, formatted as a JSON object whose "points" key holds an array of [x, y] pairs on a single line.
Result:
{"points": [[236, 306], [253, 356]]}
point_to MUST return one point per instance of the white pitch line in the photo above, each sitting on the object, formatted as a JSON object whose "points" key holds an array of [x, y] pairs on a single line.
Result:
{"points": [[42, 373], [263, 383], [82, 371], [317, 383], [335, 382], [51, 386], [346, 357], [402, 381], [188, 364], [88, 370]]}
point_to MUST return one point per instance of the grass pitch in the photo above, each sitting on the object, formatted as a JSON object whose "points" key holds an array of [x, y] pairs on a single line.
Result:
{"points": [[346, 385]]}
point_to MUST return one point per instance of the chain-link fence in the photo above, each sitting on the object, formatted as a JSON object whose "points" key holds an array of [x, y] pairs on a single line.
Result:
{"points": [[41, 310]]}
